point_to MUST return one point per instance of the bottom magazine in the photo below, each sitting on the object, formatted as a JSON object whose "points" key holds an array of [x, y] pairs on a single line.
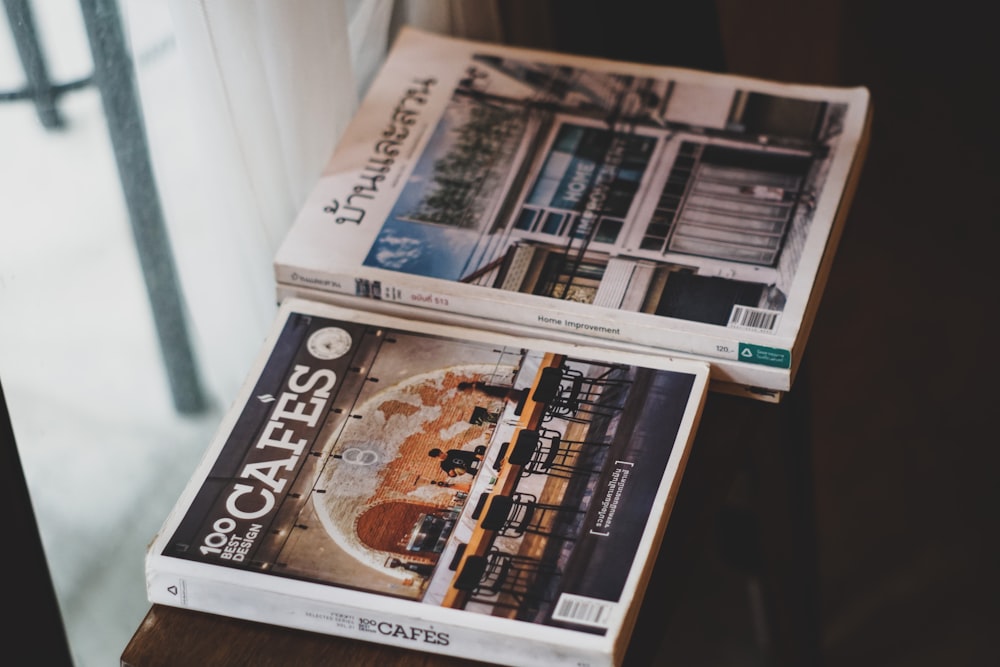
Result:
{"points": [[443, 489]]}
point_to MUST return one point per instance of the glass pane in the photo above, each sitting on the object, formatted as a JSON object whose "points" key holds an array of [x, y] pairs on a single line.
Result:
{"points": [[526, 218], [723, 251], [748, 208], [104, 452], [727, 236], [749, 176], [607, 230], [553, 222], [733, 222]]}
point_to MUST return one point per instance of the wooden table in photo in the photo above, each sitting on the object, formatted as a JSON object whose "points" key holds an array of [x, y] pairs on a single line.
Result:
{"points": [[507, 477]]}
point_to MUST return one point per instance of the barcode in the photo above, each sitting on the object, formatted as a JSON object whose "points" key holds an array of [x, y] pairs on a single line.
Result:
{"points": [[586, 611], [757, 319]]}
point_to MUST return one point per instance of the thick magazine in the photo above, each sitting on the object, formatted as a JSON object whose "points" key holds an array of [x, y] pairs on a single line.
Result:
{"points": [[443, 489], [691, 213]]}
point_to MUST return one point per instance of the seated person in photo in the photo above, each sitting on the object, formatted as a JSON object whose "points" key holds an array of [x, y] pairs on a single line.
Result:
{"points": [[457, 462]]}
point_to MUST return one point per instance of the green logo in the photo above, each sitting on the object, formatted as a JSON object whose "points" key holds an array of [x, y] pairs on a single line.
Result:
{"points": [[768, 356]]}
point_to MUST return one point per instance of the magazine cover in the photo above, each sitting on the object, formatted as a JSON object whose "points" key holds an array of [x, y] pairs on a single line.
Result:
{"points": [[681, 210], [435, 488]]}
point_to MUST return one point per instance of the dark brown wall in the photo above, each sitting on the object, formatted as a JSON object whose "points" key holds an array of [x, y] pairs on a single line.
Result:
{"points": [[901, 365]]}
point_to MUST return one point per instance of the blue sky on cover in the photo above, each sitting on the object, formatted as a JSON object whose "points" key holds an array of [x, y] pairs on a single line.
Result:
{"points": [[425, 249]]}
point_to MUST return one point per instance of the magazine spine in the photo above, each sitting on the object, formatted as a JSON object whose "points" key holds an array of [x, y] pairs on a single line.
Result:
{"points": [[751, 380], [446, 298], [327, 617]]}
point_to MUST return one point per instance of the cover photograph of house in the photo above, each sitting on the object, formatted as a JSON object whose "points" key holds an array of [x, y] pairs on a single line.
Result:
{"points": [[633, 193]]}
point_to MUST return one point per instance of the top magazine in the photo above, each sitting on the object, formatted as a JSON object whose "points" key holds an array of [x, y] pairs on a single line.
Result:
{"points": [[684, 212], [442, 489]]}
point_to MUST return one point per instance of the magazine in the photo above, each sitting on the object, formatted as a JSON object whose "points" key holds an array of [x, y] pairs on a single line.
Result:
{"points": [[737, 384], [688, 213], [438, 488]]}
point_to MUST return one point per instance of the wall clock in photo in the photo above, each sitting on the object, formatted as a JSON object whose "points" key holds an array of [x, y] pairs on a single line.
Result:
{"points": [[329, 343]]}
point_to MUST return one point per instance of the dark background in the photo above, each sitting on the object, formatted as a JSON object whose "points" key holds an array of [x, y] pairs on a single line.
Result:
{"points": [[898, 388], [901, 372]]}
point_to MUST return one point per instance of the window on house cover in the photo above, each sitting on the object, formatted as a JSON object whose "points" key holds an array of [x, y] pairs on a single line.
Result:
{"points": [[727, 203], [573, 281], [581, 157]]}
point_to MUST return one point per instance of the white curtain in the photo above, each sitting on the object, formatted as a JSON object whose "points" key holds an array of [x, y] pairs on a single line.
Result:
{"points": [[269, 87]]}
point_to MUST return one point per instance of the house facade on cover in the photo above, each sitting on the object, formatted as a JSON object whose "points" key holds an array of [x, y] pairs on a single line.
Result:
{"points": [[641, 194]]}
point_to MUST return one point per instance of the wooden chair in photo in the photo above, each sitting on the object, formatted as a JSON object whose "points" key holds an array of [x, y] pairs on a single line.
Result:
{"points": [[507, 580], [544, 452], [521, 513], [569, 394]]}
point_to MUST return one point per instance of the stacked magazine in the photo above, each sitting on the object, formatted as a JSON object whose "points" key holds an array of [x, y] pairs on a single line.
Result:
{"points": [[642, 207], [501, 309], [437, 488]]}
